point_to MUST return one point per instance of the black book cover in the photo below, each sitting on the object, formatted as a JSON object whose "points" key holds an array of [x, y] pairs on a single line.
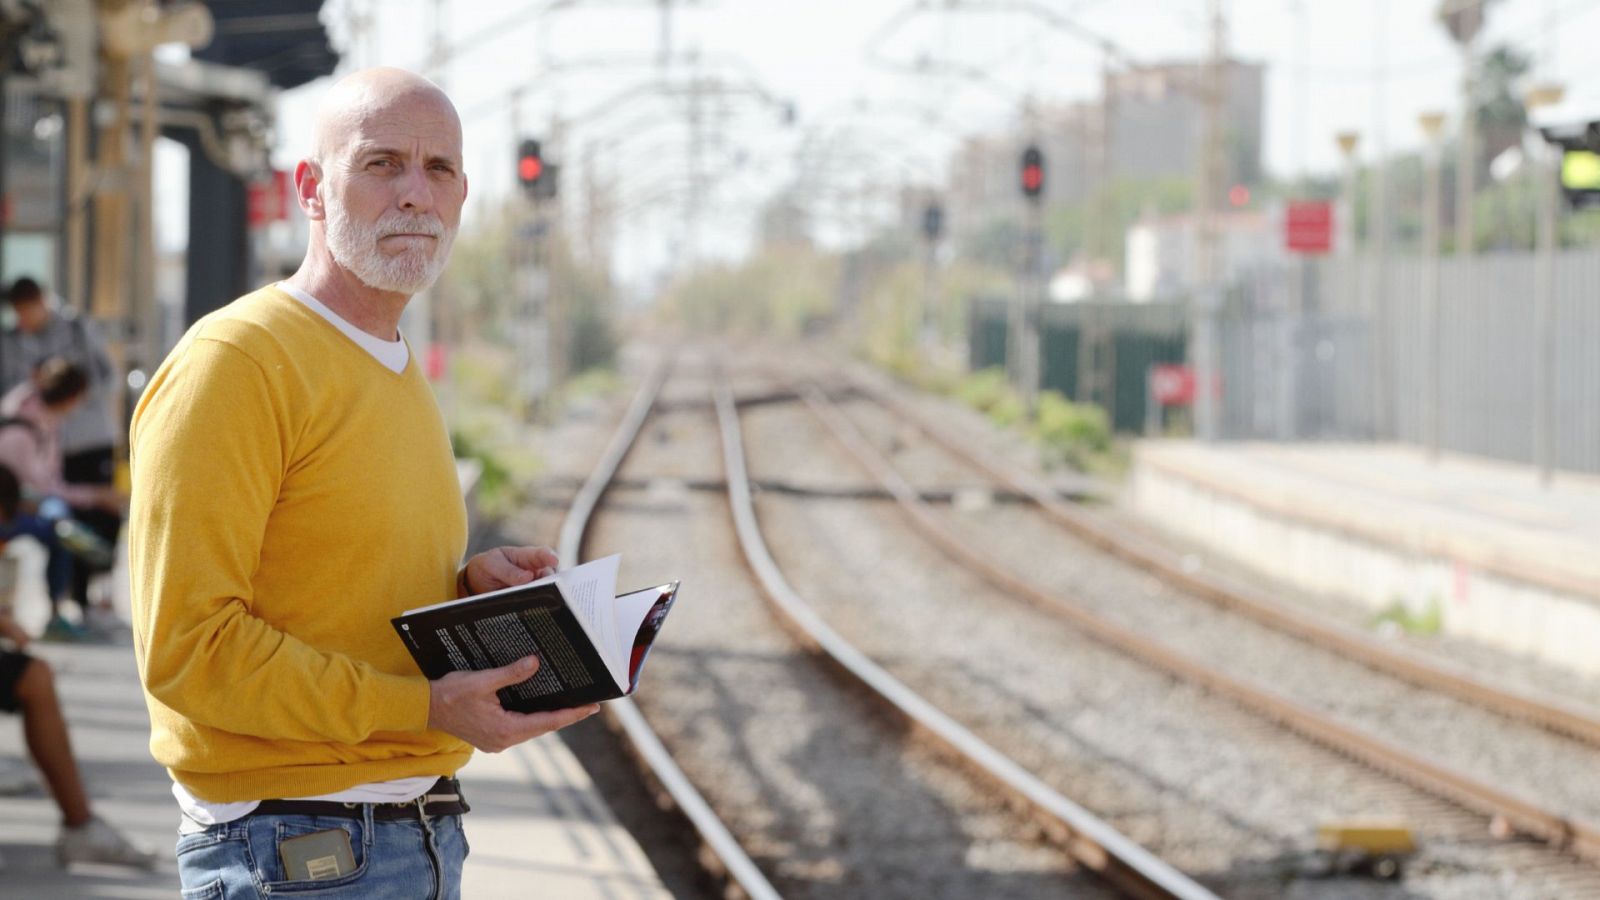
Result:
{"points": [[500, 629]]}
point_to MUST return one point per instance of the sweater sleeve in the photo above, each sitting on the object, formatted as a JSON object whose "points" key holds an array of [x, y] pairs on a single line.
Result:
{"points": [[210, 447]]}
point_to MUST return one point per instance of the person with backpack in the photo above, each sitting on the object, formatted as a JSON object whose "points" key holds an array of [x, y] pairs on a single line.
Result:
{"points": [[41, 330], [31, 415]]}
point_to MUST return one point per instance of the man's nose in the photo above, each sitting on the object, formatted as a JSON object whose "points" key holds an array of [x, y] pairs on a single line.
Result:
{"points": [[415, 193]]}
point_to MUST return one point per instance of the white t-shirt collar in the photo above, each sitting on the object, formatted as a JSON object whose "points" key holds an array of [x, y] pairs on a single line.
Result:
{"points": [[392, 354]]}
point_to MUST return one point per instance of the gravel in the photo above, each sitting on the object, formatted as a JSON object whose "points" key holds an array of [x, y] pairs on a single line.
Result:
{"points": [[1521, 672], [827, 792], [1173, 767]]}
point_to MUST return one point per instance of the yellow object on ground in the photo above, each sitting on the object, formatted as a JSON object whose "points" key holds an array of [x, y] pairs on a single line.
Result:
{"points": [[1376, 836]]}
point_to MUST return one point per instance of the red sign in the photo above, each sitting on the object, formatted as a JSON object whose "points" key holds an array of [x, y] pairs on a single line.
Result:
{"points": [[1308, 226], [1172, 385], [268, 200], [437, 358]]}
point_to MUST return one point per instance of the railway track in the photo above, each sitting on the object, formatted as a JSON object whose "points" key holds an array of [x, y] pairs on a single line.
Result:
{"points": [[1534, 782], [1240, 596], [1557, 829], [920, 783]]}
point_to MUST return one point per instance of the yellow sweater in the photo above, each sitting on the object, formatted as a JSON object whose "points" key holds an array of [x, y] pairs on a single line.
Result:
{"points": [[290, 495]]}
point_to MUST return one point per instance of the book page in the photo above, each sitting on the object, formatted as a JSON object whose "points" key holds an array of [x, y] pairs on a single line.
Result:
{"points": [[588, 590], [470, 597]]}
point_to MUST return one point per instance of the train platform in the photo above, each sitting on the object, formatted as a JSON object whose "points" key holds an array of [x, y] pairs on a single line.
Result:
{"points": [[536, 817], [1478, 547]]}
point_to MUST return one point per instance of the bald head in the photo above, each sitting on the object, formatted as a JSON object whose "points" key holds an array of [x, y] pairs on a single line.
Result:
{"points": [[384, 184], [370, 97]]}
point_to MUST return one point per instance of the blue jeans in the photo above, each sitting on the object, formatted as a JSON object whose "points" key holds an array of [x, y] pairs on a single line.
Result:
{"points": [[406, 859], [58, 568]]}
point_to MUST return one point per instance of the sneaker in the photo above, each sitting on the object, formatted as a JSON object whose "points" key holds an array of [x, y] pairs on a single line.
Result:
{"points": [[97, 842], [60, 630]]}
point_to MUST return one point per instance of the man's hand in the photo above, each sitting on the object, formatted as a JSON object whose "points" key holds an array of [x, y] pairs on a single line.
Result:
{"points": [[464, 704], [504, 567]]}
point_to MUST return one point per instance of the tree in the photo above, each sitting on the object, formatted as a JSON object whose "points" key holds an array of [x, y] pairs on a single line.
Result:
{"points": [[1502, 117]]}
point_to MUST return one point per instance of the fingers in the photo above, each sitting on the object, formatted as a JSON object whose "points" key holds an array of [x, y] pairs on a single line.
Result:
{"points": [[509, 566], [515, 673], [533, 725], [532, 559]]}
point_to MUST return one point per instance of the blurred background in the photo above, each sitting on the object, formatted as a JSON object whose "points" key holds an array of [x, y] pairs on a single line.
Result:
{"points": [[1295, 301], [1367, 221]]}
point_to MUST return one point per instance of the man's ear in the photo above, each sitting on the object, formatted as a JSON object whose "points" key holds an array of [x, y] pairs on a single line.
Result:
{"points": [[307, 189]]}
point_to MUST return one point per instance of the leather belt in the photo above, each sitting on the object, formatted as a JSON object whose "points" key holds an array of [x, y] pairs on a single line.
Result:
{"points": [[443, 799]]}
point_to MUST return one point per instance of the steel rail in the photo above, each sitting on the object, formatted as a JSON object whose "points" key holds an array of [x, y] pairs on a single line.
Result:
{"points": [[1125, 865], [721, 852], [1248, 600], [1523, 815]]}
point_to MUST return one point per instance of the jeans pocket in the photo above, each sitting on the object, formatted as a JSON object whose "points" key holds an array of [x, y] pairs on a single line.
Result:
{"points": [[212, 891], [212, 859], [268, 833]]}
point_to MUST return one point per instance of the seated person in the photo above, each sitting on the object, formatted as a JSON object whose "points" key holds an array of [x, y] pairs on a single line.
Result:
{"points": [[30, 422], [27, 686]]}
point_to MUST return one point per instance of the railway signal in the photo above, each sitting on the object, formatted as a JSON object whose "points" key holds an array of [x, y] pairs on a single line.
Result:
{"points": [[1032, 173], [530, 166], [933, 222]]}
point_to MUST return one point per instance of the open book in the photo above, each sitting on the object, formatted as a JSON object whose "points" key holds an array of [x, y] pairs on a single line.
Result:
{"points": [[590, 644]]}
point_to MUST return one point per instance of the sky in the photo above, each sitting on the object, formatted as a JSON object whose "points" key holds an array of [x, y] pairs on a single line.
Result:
{"points": [[1332, 65]]}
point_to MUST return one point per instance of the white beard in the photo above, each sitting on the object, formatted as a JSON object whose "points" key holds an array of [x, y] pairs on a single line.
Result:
{"points": [[354, 245]]}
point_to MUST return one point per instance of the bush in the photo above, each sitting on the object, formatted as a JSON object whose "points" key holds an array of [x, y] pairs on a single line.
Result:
{"points": [[1072, 432], [1402, 616], [985, 390], [496, 490]]}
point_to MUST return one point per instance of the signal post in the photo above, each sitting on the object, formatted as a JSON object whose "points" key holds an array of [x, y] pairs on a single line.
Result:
{"points": [[535, 332], [1029, 304]]}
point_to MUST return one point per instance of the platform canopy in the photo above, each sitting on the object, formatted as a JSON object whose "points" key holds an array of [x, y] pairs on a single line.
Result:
{"points": [[283, 39]]}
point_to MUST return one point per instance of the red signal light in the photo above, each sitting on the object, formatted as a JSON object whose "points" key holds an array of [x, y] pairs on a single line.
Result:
{"points": [[1032, 173], [529, 168], [530, 165]]}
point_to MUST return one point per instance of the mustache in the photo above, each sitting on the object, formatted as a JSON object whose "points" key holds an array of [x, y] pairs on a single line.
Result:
{"points": [[403, 224]]}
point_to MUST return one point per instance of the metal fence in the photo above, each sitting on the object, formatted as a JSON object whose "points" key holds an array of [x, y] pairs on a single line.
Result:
{"points": [[1338, 349], [1097, 352]]}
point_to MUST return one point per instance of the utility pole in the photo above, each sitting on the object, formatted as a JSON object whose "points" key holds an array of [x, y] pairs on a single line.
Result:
{"points": [[1378, 238], [1349, 143], [691, 208], [1203, 308], [1104, 225], [932, 230], [529, 328], [1463, 19], [1548, 169], [1026, 313], [1432, 324]]}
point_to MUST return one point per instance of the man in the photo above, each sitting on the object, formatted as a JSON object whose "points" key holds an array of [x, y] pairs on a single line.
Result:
{"points": [[88, 435], [293, 489], [27, 686]]}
